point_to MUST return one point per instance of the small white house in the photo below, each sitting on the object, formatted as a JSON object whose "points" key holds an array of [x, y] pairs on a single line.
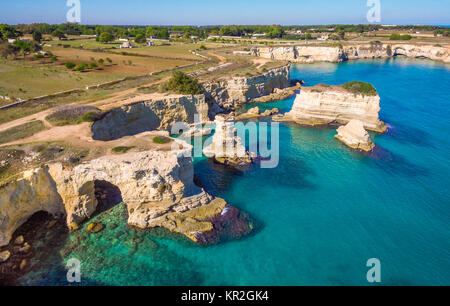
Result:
{"points": [[126, 45], [150, 43], [123, 39]]}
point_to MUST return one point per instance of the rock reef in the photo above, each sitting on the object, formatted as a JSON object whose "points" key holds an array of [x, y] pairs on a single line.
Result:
{"points": [[355, 136], [324, 104]]}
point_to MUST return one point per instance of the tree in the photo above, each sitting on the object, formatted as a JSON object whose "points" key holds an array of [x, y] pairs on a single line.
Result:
{"points": [[57, 33], [106, 37], [7, 32], [140, 39], [341, 34], [37, 36]]}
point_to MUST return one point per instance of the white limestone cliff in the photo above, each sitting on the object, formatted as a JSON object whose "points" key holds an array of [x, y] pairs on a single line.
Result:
{"points": [[157, 186], [310, 54], [322, 104]]}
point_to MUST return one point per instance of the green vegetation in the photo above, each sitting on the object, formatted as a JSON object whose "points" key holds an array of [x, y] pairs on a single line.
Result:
{"points": [[101, 61], [74, 114], [121, 149], [70, 65], [92, 66], [105, 37], [183, 84], [59, 34], [202, 47], [400, 37], [161, 140], [81, 67], [21, 131], [140, 39], [363, 88]]}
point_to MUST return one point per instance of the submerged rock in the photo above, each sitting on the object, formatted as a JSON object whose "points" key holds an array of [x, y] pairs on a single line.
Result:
{"points": [[95, 227], [355, 136]]}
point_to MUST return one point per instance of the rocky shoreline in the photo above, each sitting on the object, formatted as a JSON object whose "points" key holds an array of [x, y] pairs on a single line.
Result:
{"points": [[311, 54]]}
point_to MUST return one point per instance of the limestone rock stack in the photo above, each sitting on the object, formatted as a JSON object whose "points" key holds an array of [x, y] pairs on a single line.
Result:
{"points": [[323, 104], [226, 146], [355, 136]]}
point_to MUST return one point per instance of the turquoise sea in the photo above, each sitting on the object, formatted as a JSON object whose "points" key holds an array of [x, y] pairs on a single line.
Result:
{"points": [[322, 213]]}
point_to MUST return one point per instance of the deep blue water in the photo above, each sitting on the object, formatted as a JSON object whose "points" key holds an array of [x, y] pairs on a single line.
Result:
{"points": [[325, 210]]}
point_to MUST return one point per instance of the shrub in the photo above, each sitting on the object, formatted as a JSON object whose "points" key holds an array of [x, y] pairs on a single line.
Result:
{"points": [[81, 67], [121, 149], [109, 60], [161, 140], [92, 66], [70, 65], [363, 88], [53, 58], [203, 47], [400, 37], [37, 56], [101, 61], [181, 83]]}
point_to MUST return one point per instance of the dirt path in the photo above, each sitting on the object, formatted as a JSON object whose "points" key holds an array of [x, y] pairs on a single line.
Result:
{"points": [[102, 104]]}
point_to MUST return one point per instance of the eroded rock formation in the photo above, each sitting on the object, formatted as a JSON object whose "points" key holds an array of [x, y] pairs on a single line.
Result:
{"points": [[355, 136], [157, 186], [226, 146], [230, 94], [19, 200], [150, 115], [310, 54], [321, 104]]}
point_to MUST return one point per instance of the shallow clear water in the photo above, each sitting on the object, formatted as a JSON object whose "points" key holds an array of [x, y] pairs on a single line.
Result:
{"points": [[325, 210]]}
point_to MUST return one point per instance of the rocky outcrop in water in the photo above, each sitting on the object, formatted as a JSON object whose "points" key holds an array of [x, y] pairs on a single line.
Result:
{"points": [[226, 147], [323, 104], [355, 136], [150, 115], [255, 112], [157, 186], [311, 54], [231, 93]]}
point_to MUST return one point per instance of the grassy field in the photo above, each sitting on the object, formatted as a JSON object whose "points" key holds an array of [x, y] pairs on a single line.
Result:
{"points": [[22, 131], [29, 78]]}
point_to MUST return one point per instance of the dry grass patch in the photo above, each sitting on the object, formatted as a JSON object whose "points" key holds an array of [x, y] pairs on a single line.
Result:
{"points": [[21, 131]]}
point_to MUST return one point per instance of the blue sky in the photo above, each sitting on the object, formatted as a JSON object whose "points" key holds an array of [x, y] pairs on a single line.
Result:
{"points": [[212, 12]]}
